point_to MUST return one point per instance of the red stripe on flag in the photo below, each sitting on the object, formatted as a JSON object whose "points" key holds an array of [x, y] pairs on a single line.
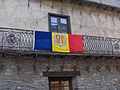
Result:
{"points": [[76, 43]]}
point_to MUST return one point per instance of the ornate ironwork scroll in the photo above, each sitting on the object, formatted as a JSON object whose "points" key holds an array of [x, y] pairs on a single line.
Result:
{"points": [[16, 39], [97, 45], [116, 46]]}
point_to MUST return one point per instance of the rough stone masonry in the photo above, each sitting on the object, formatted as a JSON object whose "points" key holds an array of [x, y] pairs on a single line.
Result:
{"points": [[24, 73]]}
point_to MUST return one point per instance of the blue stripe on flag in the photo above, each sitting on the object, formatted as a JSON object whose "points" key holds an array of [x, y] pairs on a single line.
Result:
{"points": [[43, 41]]}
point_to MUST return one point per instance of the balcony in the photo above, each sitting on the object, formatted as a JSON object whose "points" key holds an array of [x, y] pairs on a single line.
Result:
{"points": [[18, 41]]}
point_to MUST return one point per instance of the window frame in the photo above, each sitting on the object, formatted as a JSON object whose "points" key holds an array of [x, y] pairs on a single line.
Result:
{"points": [[59, 16], [60, 79]]}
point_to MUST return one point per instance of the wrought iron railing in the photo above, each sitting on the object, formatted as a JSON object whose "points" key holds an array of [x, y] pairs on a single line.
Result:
{"points": [[16, 39], [22, 40], [101, 45]]}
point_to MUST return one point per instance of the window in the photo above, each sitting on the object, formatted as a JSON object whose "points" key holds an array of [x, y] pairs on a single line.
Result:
{"points": [[59, 23], [60, 84]]}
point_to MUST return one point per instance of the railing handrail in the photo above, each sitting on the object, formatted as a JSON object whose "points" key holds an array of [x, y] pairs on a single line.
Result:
{"points": [[21, 29]]}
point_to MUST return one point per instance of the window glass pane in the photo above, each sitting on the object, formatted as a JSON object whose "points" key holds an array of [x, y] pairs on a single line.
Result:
{"points": [[65, 88], [54, 27], [63, 32], [63, 20], [63, 27], [55, 88], [53, 19], [64, 83], [54, 85], [63, 24]]}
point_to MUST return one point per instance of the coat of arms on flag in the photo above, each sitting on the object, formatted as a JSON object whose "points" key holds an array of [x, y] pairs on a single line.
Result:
{"points": [[60, 40]]}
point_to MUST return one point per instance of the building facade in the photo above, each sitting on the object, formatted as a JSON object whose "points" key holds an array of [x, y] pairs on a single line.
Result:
{"points": [[22, 68]]}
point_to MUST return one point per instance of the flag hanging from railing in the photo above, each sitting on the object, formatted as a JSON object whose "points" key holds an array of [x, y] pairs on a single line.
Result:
{"points": [[58, 42], [42, 40]]}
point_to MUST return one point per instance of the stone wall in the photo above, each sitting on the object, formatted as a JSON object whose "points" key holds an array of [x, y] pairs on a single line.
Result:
{"points": [[20, 74], [91, 21]]}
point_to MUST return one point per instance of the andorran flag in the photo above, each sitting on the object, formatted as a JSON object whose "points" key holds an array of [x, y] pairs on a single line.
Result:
{"points": [[60, 42]]}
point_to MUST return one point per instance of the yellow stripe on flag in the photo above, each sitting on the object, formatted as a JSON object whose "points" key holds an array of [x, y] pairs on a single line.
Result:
{"points": [[60, 42]]}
